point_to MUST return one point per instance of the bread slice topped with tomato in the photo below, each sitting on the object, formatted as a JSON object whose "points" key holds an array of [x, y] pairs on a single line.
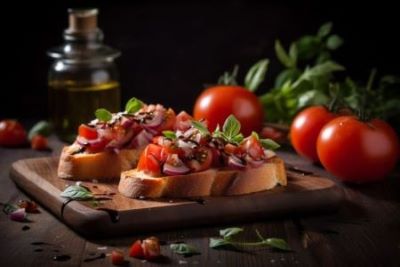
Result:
{"points": [[193, 162], [112, 143]]}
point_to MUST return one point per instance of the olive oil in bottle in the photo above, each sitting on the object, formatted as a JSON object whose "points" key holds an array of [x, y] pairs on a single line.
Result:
{"points": [[83, 76]]}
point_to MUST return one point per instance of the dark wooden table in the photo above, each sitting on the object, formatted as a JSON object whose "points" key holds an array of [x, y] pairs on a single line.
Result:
{"points": [[365, 231]]}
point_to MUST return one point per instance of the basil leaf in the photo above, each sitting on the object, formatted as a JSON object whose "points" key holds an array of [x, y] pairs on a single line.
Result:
{"points": [[42, 127], [334, 42], [169, 134], [133, 105], [319, 70], [269, 144], [256, 75], [77, 192], [103, 114], [230, 232], [277, 243], [237, 139], [231, 127], [288, 75], [184, 249], [9, 208], [325, 30], [219, 243], [282, 55], [255, 134], [307, 47], [201, 127]]}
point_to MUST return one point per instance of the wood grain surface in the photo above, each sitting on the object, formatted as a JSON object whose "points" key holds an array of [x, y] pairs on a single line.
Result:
{"points": [[38, 177], [365, 231]]}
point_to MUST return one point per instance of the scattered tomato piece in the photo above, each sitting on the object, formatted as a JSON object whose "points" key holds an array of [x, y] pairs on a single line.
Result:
{"points": [[136, 250], [117, 257], [39, 142], [151, 248], [29, 206]]}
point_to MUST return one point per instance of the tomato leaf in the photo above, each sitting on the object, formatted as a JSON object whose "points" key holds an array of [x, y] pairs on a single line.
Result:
{"points": [[283, 56], [334, 42], [103, 114], [184, 249], [325, 29], [256, 75], [133, 105], [169, 134]]}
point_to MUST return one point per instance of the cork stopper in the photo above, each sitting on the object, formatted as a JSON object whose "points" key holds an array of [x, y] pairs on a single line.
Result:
{"points": [[82, 20]]}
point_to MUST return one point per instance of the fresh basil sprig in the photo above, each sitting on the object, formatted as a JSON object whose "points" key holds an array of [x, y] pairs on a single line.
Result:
{"points": [[201, 127], [184, 249], [133, 105], [77, 192], [103, 114], [256, 75], [226, 240], [230, 131]]}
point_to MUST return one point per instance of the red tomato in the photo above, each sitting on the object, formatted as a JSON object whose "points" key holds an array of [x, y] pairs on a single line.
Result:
{"points": [[215, 104], [136, 250], [252, 147], [87, 132], [305, 129], [149, 161], [117, 257], [39, 142], [357, 151], [12, 133]]}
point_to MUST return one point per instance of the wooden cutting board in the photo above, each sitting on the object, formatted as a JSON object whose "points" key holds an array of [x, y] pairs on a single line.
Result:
{"points": [[120, 215]]}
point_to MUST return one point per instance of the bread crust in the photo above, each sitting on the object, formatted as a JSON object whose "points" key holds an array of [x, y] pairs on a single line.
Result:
{"points": [[211, 182], [102, 166]]}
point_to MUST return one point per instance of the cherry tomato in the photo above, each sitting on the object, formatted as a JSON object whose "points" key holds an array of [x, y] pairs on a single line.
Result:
{"points": [[149, 161], [305, 129], [39, 142], [12, 133], [87, 132], [357, 151], [117, 257], [215, 104], [252, 147], [136, 250]]}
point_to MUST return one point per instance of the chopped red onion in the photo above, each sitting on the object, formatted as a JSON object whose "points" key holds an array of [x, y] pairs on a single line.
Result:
{"points": [[235, 162], [179, 169], [18, 215]]}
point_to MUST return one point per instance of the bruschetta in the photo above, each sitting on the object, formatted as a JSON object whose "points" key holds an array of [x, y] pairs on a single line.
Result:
{"points": [[193, 162], [112, 143]]}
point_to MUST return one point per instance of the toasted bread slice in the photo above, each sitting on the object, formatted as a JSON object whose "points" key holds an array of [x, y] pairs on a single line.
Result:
{"points": [[213, 182], [102, 166]]}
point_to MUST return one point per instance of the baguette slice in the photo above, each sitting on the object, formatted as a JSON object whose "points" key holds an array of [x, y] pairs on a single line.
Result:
{"points": [[211, 182], [102, 166]]}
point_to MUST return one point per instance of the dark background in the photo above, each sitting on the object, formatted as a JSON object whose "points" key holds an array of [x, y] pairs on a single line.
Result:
{"points": [[169, 50]]}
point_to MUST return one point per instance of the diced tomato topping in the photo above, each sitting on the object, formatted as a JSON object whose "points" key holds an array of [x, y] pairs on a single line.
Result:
{"points": [[252, 147], [97, 146], [183, 121], [203, 158], [150, 160], [117, 257], [230, 149], [136, 250], [169, 120], [87, 132]]}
